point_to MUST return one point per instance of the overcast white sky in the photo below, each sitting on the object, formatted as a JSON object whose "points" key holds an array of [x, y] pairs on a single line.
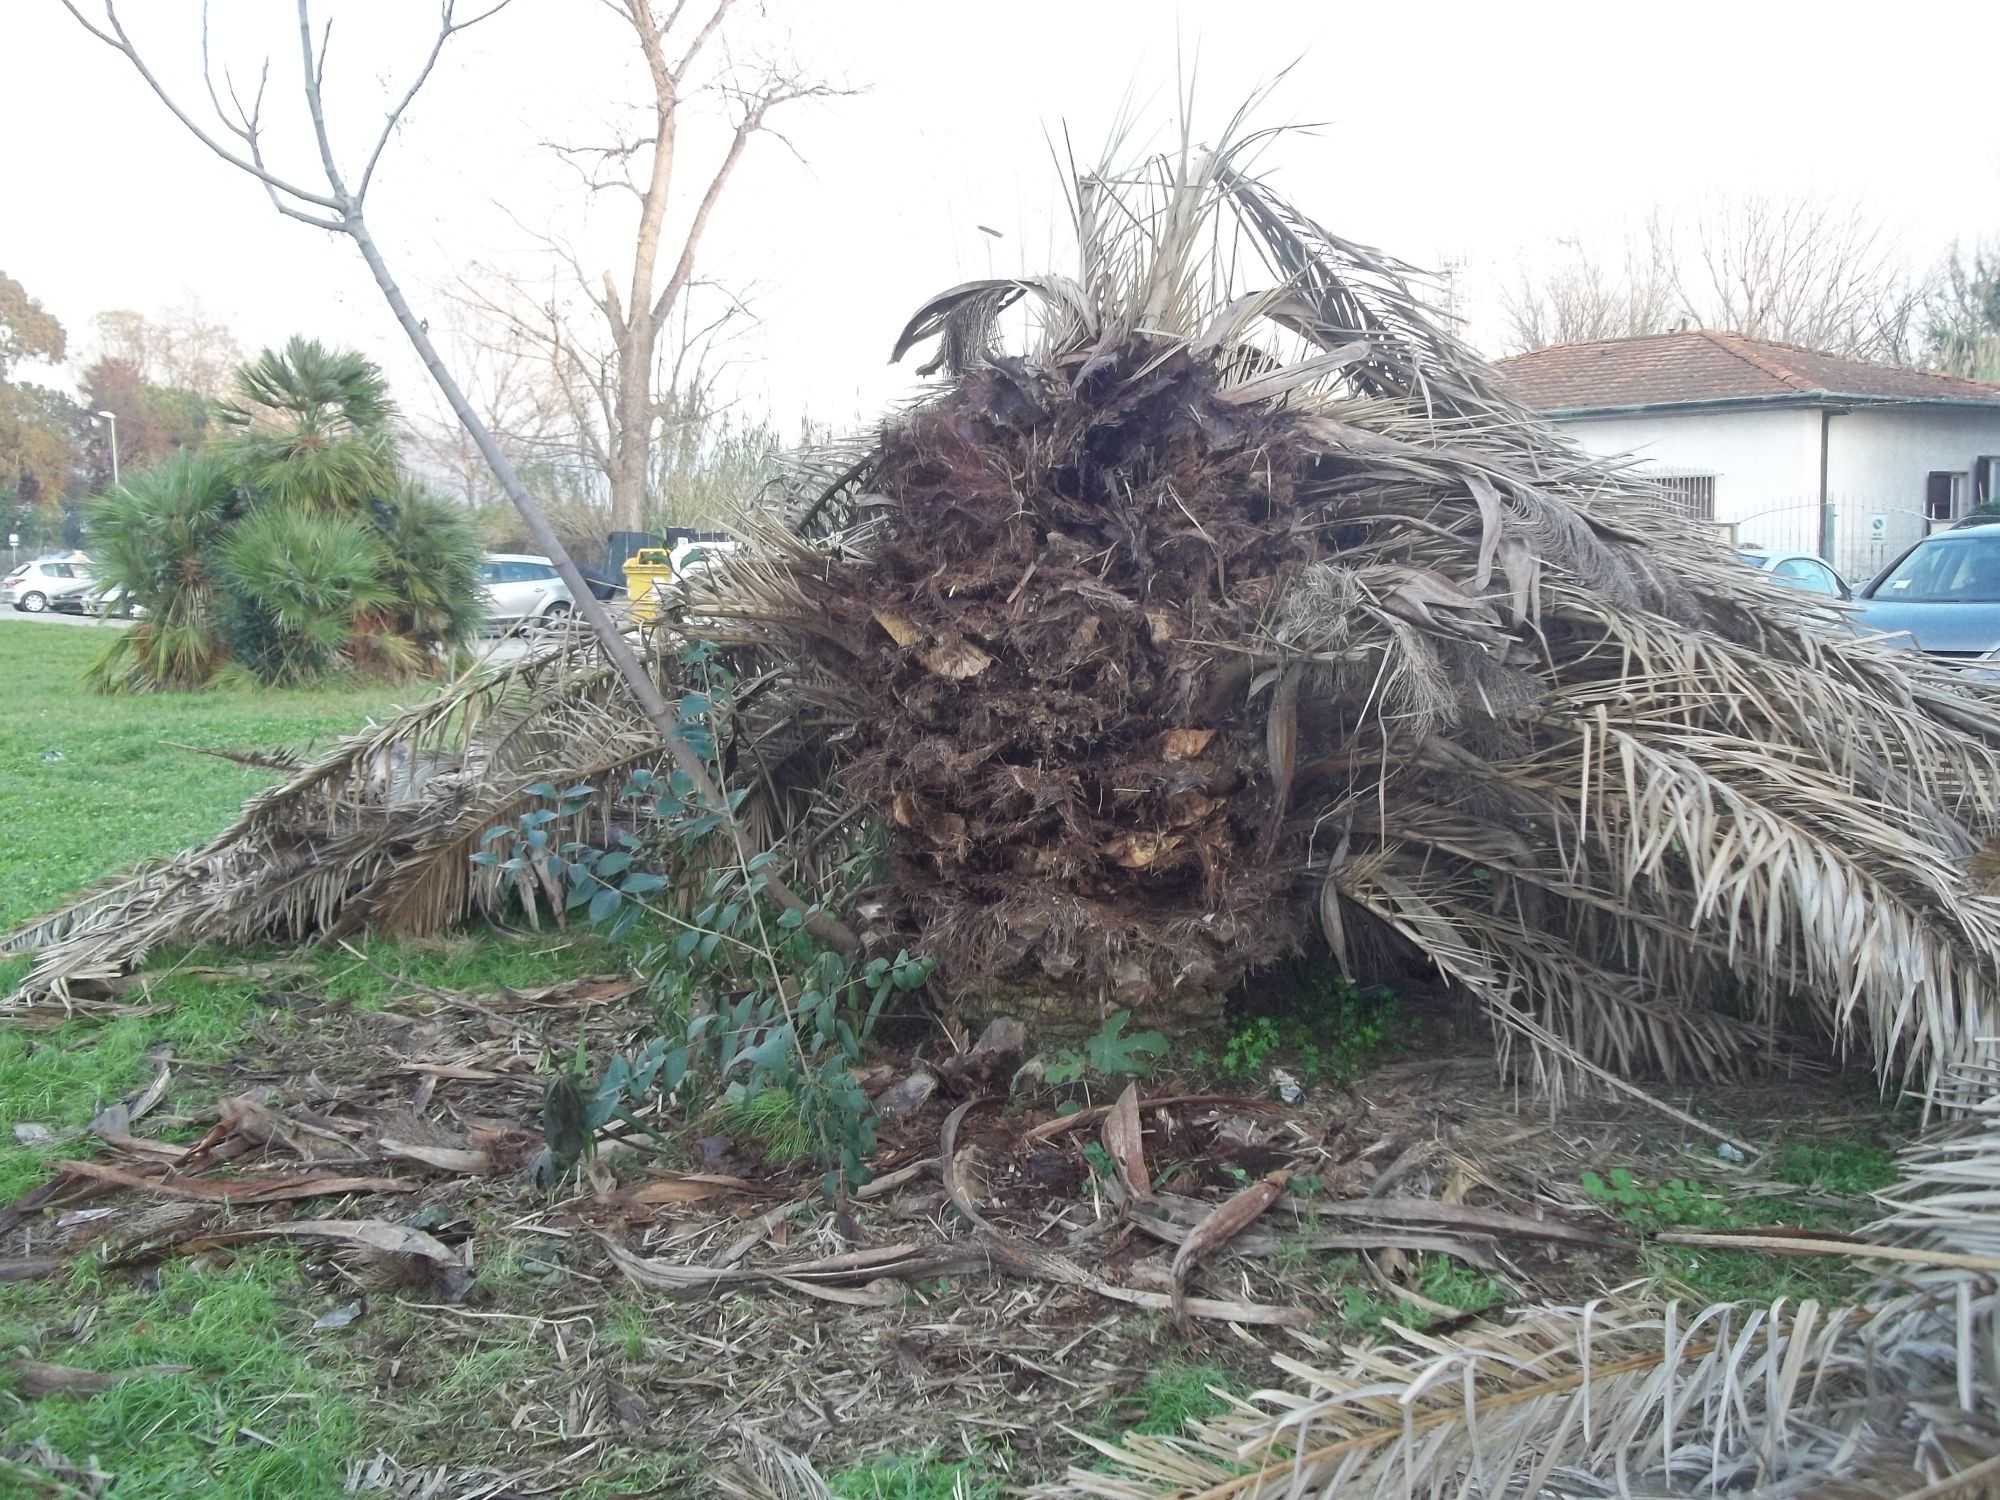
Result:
{"points": [[1478, 132]]}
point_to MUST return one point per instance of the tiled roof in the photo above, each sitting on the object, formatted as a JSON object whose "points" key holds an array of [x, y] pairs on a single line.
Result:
{"points": [[1701, 365]]}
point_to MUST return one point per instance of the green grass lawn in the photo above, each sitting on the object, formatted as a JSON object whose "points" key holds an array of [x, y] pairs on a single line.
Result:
{"points": [[120, 790]]}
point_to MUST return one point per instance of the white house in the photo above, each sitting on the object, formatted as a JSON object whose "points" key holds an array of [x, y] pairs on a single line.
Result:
{"points": [[1783, 448]]}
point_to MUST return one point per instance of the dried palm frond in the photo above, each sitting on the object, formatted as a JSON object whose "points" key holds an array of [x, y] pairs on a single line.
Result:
{"points": [[1889, 1397], [377, 833]]}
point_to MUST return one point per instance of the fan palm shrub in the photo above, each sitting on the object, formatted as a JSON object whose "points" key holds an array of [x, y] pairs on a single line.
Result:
{"points": [[154, 540], [299, 581], [311, 429], [290, 547], [430, 566]]}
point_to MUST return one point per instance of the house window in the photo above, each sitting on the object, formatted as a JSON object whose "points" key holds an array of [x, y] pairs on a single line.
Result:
{"points": [[1690, 495], [1944, 495], [1986, 480]]}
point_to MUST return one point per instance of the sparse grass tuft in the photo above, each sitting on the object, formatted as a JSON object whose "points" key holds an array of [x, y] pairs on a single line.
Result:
{"points": [[916, 1478], [1174, 1397], [771, 1118]]}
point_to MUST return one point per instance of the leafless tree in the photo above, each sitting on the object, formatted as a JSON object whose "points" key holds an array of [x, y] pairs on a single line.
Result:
{"points": [[184, 348], [619, 342], [1580, 297], [567, 372], [1794, 270], [336, 202], [1800, 271]]}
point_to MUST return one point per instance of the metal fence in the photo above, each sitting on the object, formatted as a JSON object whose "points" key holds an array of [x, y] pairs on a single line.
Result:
{"points": [[1867, 534]]}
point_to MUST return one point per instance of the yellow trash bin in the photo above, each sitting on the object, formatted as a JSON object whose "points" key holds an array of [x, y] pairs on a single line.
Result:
{"points": [[645, 572]]}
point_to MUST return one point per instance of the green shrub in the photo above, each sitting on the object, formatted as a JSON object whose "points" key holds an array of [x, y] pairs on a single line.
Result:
{"points": [[292, 547], [153, 538], [298, 582]]}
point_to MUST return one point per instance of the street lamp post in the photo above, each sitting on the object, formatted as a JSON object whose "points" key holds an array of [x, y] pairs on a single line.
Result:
{"points": [[112, 418]]}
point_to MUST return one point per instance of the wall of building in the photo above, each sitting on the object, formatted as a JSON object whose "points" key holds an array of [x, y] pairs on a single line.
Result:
{"points": [[1879, 458], [1766, 468], [1763, 461]]}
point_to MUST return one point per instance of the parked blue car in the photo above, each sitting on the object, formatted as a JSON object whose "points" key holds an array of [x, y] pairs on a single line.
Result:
{"points": [[1943, 593]]}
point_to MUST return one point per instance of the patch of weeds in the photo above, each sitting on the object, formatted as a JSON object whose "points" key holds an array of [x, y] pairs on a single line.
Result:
{"points": [[1365, 1305], [1454, 1284], [1172, 1398], [1726, 1275], [251, 1417], [923, 1477], [1324, 1027], [1851, 1169], [1673, 1204]]}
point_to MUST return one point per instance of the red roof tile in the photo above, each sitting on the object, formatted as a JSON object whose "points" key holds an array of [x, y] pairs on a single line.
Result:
{"points": [[1702, 366]]}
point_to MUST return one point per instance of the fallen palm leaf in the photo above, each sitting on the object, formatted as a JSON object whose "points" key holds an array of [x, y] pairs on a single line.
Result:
{"points": [[1123, 1140], [228, 1190], [683, 1187], [1805, 1244], [444, 1158], [1466, 1216], [1048, 1130], [256, 1122], [369, 1234], [586, 989], [33, 1378], [117, 1119], [1477, 1250], [1229, 1219], [30, 1267]]}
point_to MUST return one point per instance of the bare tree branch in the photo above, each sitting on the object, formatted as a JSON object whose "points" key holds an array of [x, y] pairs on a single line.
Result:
{"points": [[1796, 271], [447, 28], [113, 36]]}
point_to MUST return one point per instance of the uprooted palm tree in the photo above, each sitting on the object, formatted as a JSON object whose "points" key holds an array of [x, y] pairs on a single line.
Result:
{"points": [[1238, 604]]}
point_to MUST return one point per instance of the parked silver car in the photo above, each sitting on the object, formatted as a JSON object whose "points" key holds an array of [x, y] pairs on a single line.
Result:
{"points": [[1801, 570], [48, 583], [522, 590]]}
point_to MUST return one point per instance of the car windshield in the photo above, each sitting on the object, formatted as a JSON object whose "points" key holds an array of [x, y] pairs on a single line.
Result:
{"points": [[1945, 569]]}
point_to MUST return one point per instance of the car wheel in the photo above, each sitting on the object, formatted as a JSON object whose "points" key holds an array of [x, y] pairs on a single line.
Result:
{"points": [[34, 603], [558, 609]]}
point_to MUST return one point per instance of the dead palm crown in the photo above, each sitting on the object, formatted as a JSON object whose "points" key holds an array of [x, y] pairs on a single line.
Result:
{"points": [[1238, 603]]}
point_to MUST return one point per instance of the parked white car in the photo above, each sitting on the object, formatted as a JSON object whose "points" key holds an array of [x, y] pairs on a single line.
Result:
{"points": [[47, 583], [522, 590]]}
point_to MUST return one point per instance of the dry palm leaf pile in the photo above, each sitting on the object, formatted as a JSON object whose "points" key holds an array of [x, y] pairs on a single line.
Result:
{"points": [[1236, 605]]}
